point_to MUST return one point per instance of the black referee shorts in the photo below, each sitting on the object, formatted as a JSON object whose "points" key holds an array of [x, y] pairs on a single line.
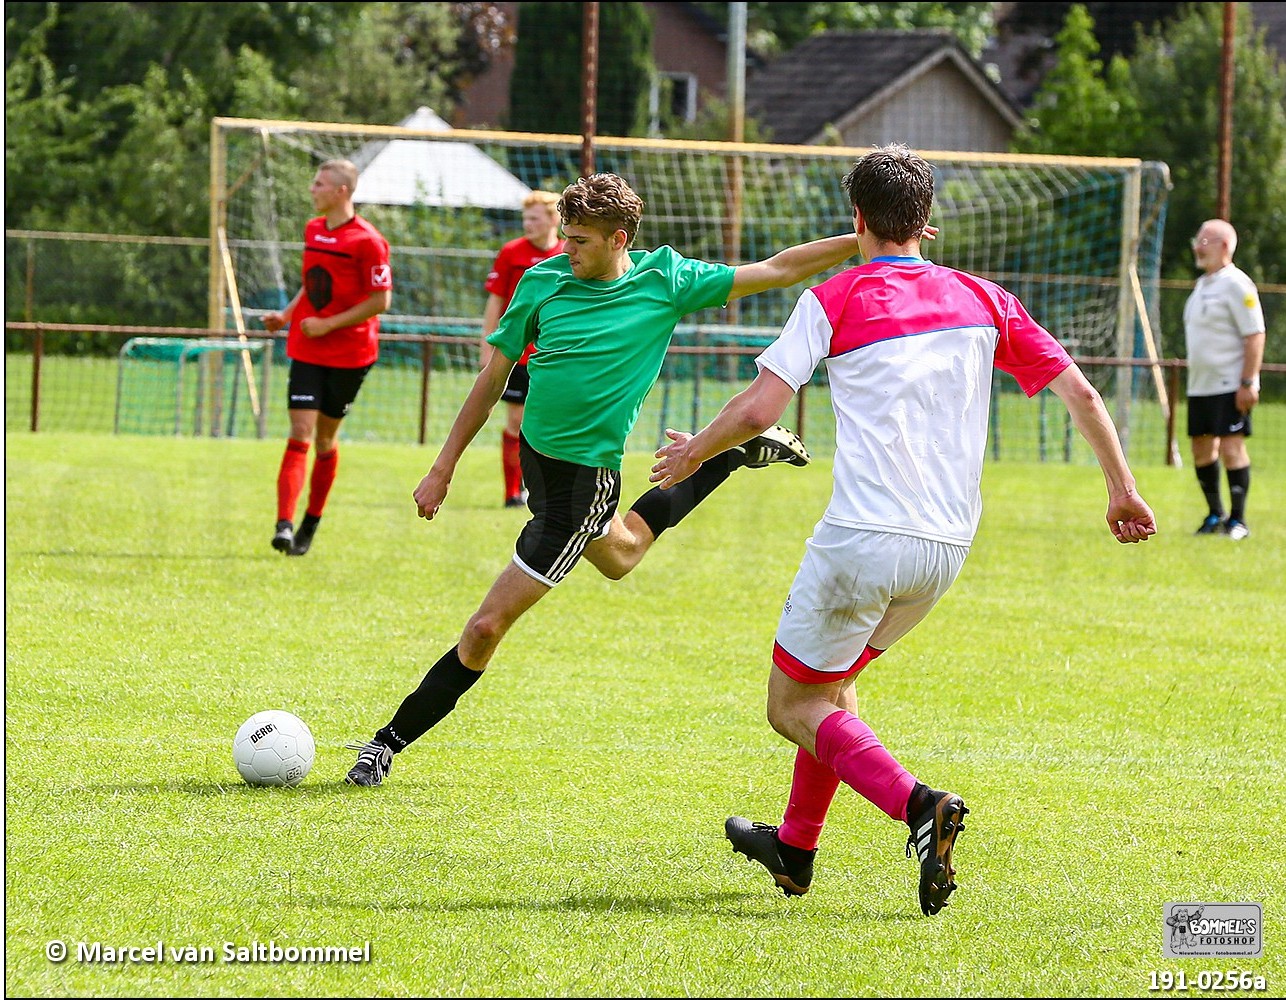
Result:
{"points": [[571, 505], [1217, 416]]}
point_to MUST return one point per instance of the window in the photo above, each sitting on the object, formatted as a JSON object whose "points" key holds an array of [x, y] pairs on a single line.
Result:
{"points": [[673, 99]]}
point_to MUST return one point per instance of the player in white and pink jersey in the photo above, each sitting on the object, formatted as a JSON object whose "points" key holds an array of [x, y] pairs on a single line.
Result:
{"points": [[909, 349]]}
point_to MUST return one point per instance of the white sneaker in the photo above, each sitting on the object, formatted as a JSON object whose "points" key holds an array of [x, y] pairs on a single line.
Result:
{"points": [[1236, 530]]}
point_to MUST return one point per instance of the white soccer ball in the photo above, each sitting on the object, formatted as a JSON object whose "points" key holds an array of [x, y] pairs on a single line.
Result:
{"points": [[274, 748]]}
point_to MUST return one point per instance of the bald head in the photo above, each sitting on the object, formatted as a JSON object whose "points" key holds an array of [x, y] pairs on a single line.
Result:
{"points": [[1214, 245]]}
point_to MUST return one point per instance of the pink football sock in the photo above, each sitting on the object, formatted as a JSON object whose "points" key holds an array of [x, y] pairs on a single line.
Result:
{"points": [[847, 745], [811, 792]]}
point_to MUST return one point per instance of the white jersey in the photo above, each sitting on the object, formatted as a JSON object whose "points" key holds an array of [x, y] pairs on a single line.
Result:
{"points": [[1221, 312], [909, 348]]}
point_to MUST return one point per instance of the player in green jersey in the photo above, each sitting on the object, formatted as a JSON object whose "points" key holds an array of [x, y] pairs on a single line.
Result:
{"points": [[602, 317]]}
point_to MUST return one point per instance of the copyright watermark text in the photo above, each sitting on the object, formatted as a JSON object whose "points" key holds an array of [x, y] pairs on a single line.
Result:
{"points": [[227, 953]]}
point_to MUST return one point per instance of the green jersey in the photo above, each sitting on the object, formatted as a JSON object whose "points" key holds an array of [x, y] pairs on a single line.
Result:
{"points": [[599, 346]]}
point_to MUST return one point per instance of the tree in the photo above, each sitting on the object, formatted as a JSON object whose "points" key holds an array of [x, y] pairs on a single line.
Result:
{"points": [[773, 28], [1168, 101], [1176, 73], [108, 105], [545, 90], [1114, 24], [49, 137], [1078, 110]]}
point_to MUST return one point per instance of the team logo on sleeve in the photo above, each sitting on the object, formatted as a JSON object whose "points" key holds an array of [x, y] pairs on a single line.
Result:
{"points": [[382, 276], [1250, 302]]}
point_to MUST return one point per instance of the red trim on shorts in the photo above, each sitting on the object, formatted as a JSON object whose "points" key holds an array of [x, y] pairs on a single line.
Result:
{"points": [[798, 670]]}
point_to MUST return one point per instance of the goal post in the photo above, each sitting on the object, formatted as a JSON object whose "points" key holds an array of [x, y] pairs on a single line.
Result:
{"points": [[1078, 239]]}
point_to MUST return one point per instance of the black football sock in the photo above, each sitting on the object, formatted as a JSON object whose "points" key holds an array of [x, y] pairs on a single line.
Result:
{"points": [[1208, 479], [1238, 487], [662, 509], [792, 855], [920, 800], [429, 703]]}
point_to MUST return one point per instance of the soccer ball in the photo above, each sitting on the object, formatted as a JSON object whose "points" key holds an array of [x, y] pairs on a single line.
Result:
{"points": [[273, 748]]}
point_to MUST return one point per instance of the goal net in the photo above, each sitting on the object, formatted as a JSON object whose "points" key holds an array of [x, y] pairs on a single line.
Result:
{"points": [[1077, 239]]}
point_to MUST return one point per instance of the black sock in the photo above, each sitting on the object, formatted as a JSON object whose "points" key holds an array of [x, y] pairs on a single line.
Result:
{"points": [[792, 855], [1238, 487], [662, 509], [920, 800], [309, 523], [429, 703], [1208, 478]]}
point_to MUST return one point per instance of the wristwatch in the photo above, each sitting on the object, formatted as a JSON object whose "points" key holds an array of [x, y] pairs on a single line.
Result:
{"points": [[1249, 383]]}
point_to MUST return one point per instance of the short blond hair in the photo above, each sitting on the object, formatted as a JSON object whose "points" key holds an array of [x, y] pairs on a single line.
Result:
{"points": [[345, 171], [547, 198]]}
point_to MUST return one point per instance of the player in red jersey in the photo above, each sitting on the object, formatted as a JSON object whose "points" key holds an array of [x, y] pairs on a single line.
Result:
{"points": [[333, 342], [539, 241]]}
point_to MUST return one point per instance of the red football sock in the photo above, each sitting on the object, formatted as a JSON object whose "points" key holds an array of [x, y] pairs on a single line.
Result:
{"points": [[323, 478], [847, 745], [811, 793], [512, 464], [290, 478]]}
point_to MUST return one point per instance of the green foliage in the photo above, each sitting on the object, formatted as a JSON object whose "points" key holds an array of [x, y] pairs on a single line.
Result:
{"points": [[49, 138], [395, 58], [1164, 106], [1176, 75], [101, 45], [108, 105], [773, 28], [714, 124], [1079, 110], [545, 90]]}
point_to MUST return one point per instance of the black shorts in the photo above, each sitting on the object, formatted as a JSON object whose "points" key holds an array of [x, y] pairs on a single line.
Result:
{"points": [[1217, 416], [319, 387], [570, 504], [516, 387]]}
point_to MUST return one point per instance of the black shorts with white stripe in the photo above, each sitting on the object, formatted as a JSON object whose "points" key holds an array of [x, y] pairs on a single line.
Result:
{"points": [[571, 505]]}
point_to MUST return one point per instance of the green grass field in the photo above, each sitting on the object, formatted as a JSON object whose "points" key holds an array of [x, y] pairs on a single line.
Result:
{"points": [[1111, 714]]}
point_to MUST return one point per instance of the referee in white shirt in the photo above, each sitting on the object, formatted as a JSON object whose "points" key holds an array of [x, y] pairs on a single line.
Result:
{"points": [[1223, 323]]}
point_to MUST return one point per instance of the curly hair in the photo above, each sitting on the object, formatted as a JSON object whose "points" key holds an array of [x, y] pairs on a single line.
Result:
{"points": [[894, 189], [604, 202]]}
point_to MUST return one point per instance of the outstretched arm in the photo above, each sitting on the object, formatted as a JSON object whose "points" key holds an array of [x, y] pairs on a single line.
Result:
{"points": [[792, 265], [1128, 516], [750, 412], [473, 414]]}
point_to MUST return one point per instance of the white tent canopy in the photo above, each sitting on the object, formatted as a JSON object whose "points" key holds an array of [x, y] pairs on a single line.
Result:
{"points": [[433, 171]]}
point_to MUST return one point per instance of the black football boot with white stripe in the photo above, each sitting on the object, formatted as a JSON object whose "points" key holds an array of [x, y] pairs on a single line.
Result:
{"points": [[933, 835]]}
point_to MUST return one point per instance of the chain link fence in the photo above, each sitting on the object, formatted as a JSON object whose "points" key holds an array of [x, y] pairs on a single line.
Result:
{"points": [[70, 366]]}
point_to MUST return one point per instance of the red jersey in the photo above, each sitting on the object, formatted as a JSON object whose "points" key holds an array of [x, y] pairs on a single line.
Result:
{"points": [[513, 259], [342, 267]]}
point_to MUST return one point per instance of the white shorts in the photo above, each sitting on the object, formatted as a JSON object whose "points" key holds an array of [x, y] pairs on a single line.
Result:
{"points": [[856, 593]]}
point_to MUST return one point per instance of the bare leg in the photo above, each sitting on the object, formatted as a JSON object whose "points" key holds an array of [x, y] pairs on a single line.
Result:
{"points": [[796, 710], [509, 598], [327, 430], [622, 548]]}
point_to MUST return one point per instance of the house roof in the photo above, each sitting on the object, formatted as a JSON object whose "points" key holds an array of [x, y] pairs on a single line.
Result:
{"points": [[433, 171], [831, 77]]}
